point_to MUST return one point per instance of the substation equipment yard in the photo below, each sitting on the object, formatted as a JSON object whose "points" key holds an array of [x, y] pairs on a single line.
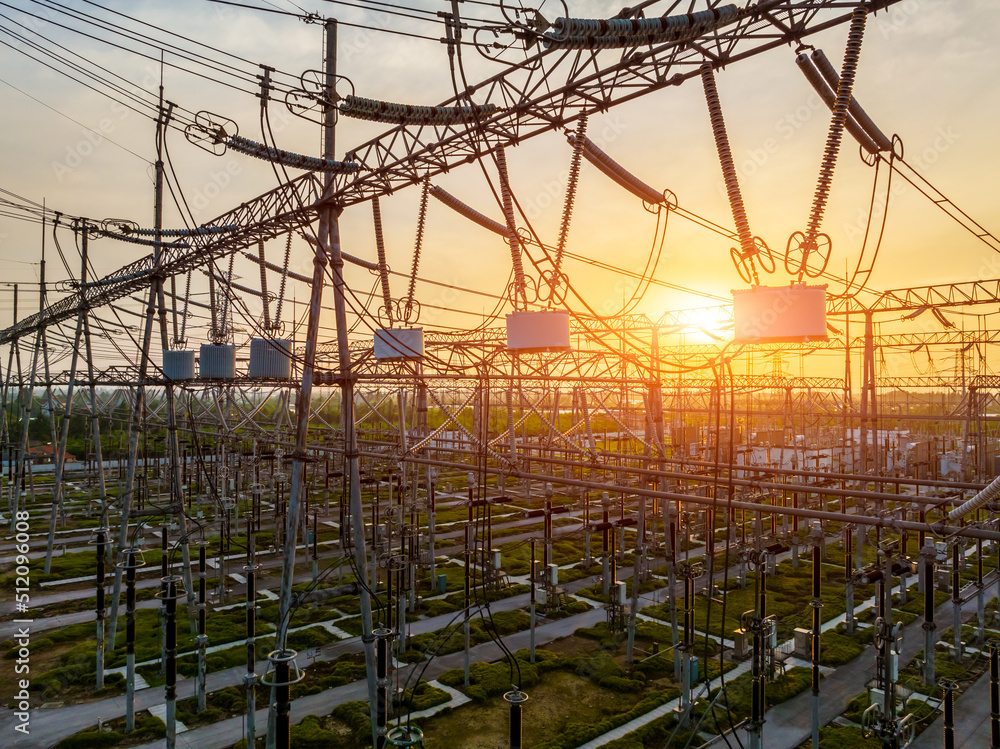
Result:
{"points": [[337, 524]]}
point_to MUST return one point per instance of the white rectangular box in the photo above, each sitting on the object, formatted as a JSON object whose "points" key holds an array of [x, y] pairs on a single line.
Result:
{"points": [[620, 591], [399, 343], [178, 365], [217, 362], [775, 314], [270, 358], [546, 330]]}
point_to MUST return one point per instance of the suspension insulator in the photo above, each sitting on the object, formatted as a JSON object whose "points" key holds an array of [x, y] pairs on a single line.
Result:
{"points": [[383, 269], [418, 245], [571, 184], [577, 33], [615, 171], [227, 298], [512, 238], [748, 248], [284, 280], [137, 240], [199, 231], [263, 285], [388, 112], [468, 211], [184, 311], [829, 97], [854, 38], [826, 69], [287, 158]]}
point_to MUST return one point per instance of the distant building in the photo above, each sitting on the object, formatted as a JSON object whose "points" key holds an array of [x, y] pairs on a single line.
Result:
{"points": [[47, 454]]}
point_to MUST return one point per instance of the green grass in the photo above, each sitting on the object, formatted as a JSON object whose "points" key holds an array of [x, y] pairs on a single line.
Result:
{"points": [[838, 648], [147, 728]]}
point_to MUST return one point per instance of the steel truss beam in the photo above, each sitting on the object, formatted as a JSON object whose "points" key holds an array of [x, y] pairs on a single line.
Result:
{"points": [[545, 93]]}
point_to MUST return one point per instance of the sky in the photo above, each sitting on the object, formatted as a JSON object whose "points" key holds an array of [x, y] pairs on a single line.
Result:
{"points": [[929, 72]]}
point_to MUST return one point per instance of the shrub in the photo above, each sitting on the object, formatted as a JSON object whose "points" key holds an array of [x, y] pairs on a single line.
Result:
{"points": [[920, 709], [310, 735], [452, 678], [229, 699], [619, 684], [658, 666], [425, 696], [357, 716], [90, 740], [845, 737], [210, 715]]}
